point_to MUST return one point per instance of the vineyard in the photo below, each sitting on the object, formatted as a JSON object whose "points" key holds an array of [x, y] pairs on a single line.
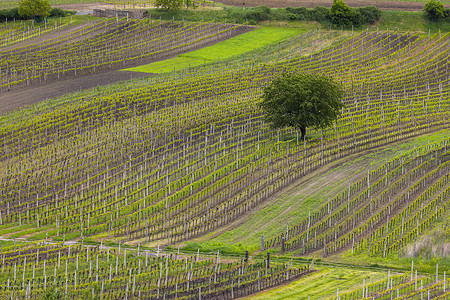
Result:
{"points": [[116, 273], [106, 45], [15, 32], [101, 191]]}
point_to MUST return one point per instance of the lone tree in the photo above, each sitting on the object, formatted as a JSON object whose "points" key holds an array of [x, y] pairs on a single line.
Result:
{"points": [[34, 8], [301, 101]]}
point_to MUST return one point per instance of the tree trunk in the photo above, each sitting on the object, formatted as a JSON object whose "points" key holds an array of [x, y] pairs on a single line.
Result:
{"points": [[303, 131]]}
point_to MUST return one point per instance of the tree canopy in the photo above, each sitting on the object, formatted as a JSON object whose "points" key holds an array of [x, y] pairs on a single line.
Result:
{"points": [[34, 8], [302, 100], [169, 4], [341, 14], [434, 10]]}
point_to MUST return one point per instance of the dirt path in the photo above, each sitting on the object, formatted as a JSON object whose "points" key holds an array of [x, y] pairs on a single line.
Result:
{"points": [[384, 5], [31, 95]]}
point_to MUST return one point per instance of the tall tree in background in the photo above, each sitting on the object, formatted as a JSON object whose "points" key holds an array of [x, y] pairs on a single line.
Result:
{"points": [[301, 101], [34, 8]]}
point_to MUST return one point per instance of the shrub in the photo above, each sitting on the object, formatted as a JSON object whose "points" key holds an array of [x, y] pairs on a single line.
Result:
{"points": [[13, 13], [356, 18], [370, 14], [292, 17], [58, 12], [280, 14], [9, 14], [259, 13], [434, 10], [300, 13], [320, 14]]}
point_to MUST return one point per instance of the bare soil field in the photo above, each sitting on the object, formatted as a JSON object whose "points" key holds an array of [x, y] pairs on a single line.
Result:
{"points": [[384, 5], [31, 95]]}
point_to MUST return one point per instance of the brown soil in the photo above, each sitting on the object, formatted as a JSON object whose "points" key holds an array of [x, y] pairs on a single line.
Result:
{"points": [[384, 5], [31, 95]]}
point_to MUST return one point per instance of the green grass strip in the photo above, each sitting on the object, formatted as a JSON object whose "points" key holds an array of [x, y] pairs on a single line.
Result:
{"points": [[235, 46]]}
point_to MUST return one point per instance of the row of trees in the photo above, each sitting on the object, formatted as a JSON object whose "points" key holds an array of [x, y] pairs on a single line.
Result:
{"points": [[340, 14], [343, 15]]}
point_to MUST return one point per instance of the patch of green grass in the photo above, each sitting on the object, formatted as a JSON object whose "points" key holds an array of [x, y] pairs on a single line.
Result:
{"points": [[235, 46], [393, 261], [42, 235], [235, 249], [409, 21], [69, 236], [16, 228], [29, 231]]}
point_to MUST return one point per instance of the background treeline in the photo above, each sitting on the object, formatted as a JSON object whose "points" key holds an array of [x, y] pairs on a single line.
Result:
{"points": [[13, 13], [356, 17], [253, 15], [344, 16]]}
